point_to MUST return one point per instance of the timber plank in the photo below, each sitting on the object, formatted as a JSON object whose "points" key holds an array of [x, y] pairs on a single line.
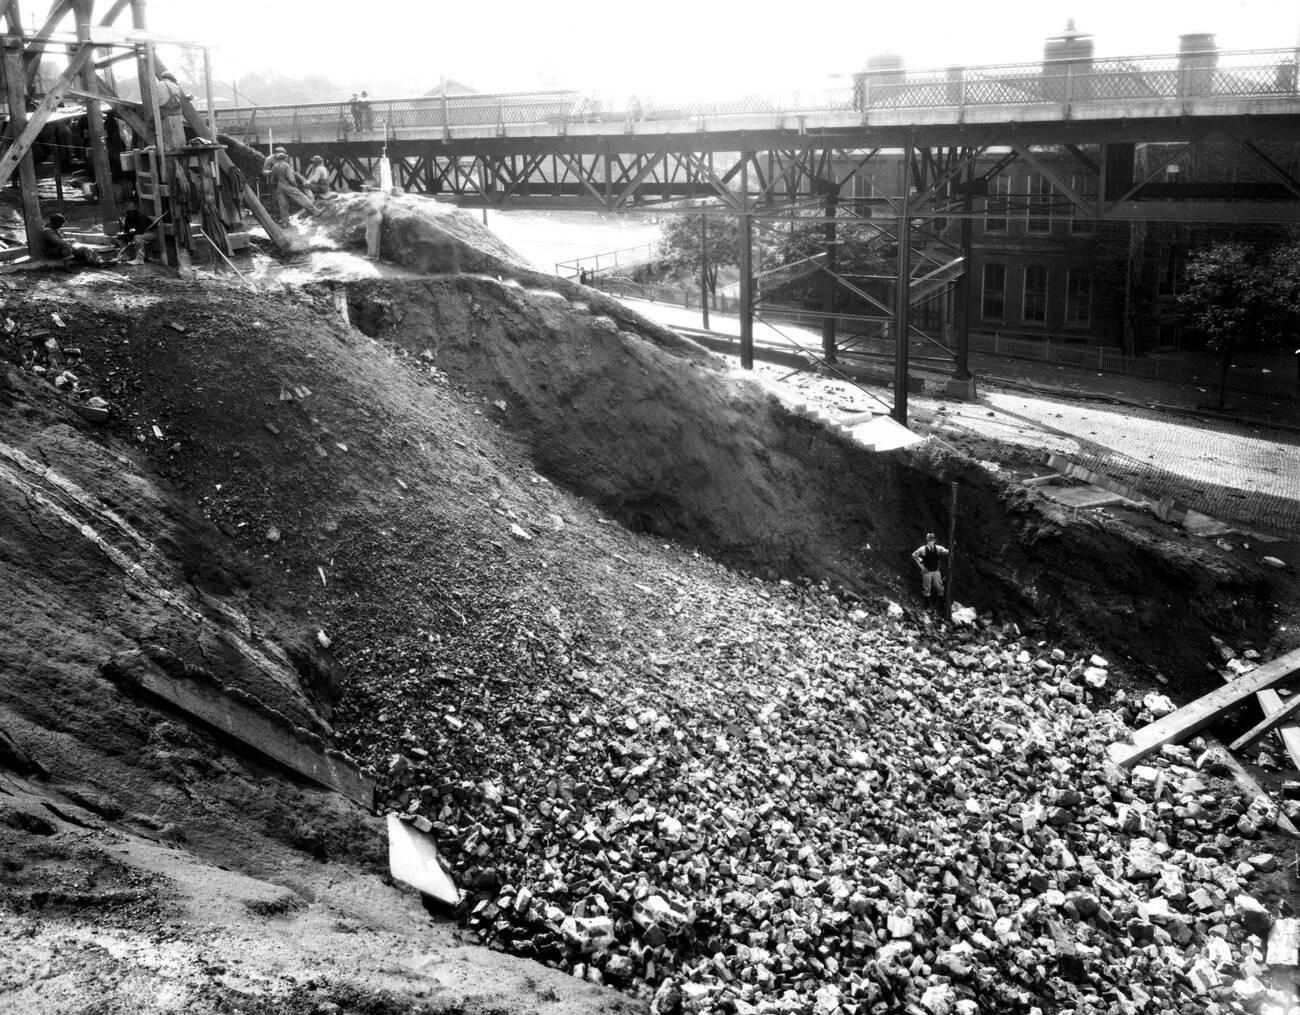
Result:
{"points": [[1271, 719], [213, 707], [1198, 714], [1289, 732]]}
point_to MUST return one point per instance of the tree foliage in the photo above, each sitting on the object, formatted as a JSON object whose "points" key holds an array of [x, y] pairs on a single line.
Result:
{"points": [[776, 244], [1241, 296]]}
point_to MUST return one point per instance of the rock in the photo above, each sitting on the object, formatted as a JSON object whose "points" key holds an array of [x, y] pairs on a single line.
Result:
{"points": [[656, 911], [1248, 990], [1274, 562], [939, 999], [1252, 914], [1095, 676], [1159, 705], [1284, 943], [589, 935]]}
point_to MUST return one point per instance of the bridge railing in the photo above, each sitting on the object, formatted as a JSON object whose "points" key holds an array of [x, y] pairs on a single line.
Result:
{"points": [[1204, 74], [1209, 74]]}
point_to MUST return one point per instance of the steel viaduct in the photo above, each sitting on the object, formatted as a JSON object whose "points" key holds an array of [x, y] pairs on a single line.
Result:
{"points": [[1102, 131]]}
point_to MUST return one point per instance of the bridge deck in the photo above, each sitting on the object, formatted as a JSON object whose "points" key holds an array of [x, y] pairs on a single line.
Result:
{"points": [[1254, 83]]}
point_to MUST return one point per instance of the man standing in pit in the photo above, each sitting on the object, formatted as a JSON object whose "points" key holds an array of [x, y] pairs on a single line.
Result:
{"points": [[927, 557]]}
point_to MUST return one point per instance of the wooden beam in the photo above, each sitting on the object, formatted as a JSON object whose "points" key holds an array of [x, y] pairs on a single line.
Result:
{"points": [[1270, 720], [1289, 733], [23, 143], [1196, 715], [1251, 786], [16, 98], [264, 219], [35, 48], [99, 157], [113, 12]]}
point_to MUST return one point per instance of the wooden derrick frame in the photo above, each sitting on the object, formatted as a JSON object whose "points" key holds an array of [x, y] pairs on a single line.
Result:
{"points": [[20, 55]]}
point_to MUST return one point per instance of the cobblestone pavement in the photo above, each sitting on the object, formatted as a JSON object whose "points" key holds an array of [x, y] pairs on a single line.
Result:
{"points": [[1241, 473]]}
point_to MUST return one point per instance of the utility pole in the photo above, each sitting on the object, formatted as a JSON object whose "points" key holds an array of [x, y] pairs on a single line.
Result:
{"points": [[902, 289], [704, 271], [952, 551]]}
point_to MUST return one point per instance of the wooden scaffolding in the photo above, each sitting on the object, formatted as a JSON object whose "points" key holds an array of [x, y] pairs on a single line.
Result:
{"points": [[185, 185]]}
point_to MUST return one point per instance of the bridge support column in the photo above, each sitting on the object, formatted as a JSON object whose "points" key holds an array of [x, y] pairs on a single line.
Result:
{"points": [[746, 292], [962, 383], [828, 277], [902, 292]]}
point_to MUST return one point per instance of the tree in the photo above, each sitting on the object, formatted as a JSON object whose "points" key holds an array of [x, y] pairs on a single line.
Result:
{"points": [[1242, 296], [682, 245]]}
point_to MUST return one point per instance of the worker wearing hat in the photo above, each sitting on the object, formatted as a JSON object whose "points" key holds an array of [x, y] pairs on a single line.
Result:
{"points": [[269, 161], [318, 177]]}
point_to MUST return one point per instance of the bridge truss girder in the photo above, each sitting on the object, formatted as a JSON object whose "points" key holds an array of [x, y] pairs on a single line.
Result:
{"points": [[783, 173]]}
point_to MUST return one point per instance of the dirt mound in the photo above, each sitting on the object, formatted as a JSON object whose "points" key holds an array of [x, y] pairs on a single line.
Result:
{"points": [[673, 445], [384, 515]]}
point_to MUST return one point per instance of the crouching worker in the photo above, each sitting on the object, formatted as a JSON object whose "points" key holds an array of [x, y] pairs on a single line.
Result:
{"points": [[132, 234], [927, 557], [318, 178], [70, 252]]}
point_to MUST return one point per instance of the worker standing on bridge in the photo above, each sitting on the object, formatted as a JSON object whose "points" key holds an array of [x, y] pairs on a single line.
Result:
{"points": [[928, 557], [285, 184]]}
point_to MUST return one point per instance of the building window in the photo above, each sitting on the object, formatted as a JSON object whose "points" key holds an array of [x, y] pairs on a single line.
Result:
{"points": [[995, 208], [1078, 298], [1034, 310], [1040, 204], [1172, 270], [1085, 185], [993, 306]]}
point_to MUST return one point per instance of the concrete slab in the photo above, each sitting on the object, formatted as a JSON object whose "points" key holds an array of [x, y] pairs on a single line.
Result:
{"points": [[1081, 496], [885, 434], [413, 859]]}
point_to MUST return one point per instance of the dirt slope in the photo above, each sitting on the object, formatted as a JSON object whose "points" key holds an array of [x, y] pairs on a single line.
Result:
{"points": [[426, 477]]}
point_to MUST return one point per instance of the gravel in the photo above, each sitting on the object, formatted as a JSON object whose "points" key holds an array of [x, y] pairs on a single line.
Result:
{"points": [[810, 806]]}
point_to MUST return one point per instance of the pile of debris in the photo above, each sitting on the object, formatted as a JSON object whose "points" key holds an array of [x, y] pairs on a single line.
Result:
{"points": [[822, 810]]}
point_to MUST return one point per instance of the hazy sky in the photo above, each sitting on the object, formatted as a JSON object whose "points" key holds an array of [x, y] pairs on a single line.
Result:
{"points": [[709, 47]]}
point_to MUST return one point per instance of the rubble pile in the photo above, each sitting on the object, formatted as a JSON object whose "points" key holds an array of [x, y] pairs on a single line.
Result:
{"points": [[809, 808]]}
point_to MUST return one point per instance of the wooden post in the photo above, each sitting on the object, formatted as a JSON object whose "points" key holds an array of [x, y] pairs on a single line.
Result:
{"points": [[16, 96], [95, 125], [902, 294], [952, 552]]}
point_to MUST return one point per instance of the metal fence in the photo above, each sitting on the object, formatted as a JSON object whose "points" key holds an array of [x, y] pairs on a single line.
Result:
{"points": [[1105, 359], [1100, 359], [1211, 74], [596, 265]]}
